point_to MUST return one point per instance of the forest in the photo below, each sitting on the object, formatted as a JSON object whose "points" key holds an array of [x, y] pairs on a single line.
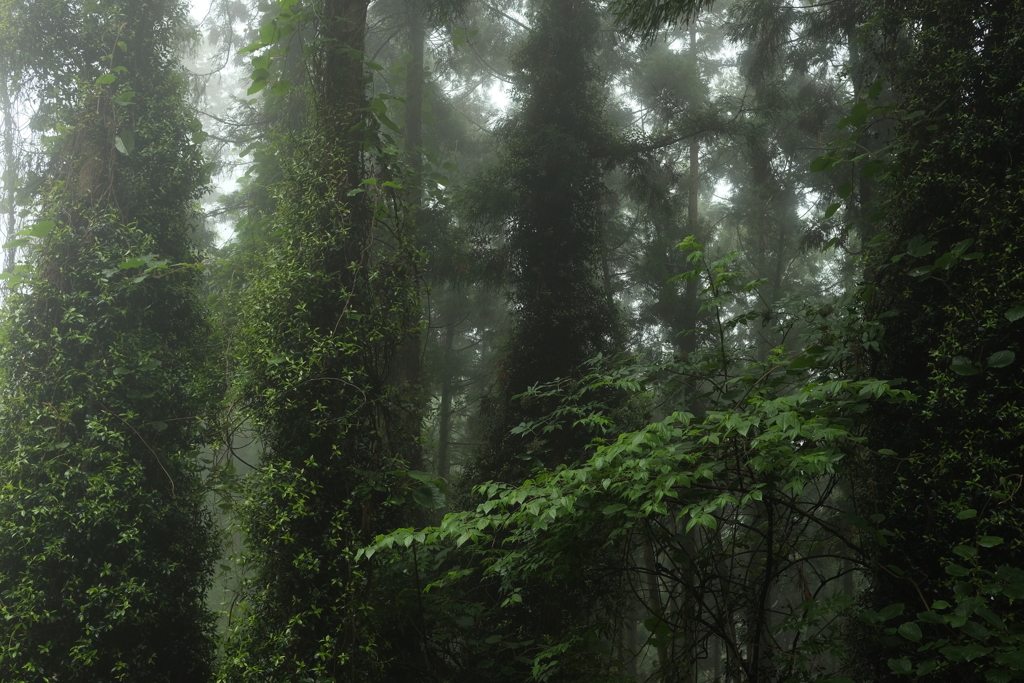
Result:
{"points": [[554, 341]]}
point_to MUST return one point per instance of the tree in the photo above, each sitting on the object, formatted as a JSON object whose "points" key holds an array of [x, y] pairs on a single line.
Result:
{"points": [[105, 546], [548, 210], [950, 289], [321, 326]]}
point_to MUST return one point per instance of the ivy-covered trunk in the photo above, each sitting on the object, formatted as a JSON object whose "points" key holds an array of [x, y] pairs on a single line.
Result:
{"points": [[321, 327], [951, 275], [106, 549]]}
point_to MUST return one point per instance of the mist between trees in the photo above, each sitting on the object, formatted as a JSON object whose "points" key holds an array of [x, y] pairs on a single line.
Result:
{"points": [[489, 340]]}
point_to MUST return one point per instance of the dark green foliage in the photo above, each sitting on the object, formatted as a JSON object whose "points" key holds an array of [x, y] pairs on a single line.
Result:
{"points": [[322, 323], [951, 272], [105, 546], [715, 547], [320, 327], [546, 198], [647, 17]]}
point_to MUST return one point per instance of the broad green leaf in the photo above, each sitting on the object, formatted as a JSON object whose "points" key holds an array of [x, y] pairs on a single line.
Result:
{"points": [[252, 47], [1015, 313], [125, 142], [891, 611], [1000, 359], [965, 551], [105, 79], [911, 631], [41, 229], [965, 653], [963, 366], [256, 87], [990, 541], [822, 163], [919, 247], [429, 496], [921, 272], [1013, 659], [901, 666]]}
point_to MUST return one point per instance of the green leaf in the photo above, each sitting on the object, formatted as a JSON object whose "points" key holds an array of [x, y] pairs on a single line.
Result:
{"points": [[911, 631], [125, 142], [256, 87], [16, 243], [966, 653], [965, 551], [963, 366], [124, 98], [990, 541], [135, 262], [967, 514], [270, 32], [105, 79], [901, 666], [1000, 359], [891, 611], [251, 47], [1015, 313], [39, 230], [831, 210], [921, 272], [429, 496], [822, 163], [1014, 659], [918, 247], [954, 569]]}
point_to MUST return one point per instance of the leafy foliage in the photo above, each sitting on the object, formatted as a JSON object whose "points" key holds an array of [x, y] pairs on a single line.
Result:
{"points": [[105, 546], [546, 198], [735, 531], [950, 271]]}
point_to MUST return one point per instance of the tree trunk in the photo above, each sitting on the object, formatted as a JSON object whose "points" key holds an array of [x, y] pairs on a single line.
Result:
{"points": [[445, 426]]}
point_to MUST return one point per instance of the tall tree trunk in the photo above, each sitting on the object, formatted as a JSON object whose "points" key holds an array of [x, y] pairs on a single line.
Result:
{"points": [[10, 177], [445, 426], [342, 82], [407, 368]]}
